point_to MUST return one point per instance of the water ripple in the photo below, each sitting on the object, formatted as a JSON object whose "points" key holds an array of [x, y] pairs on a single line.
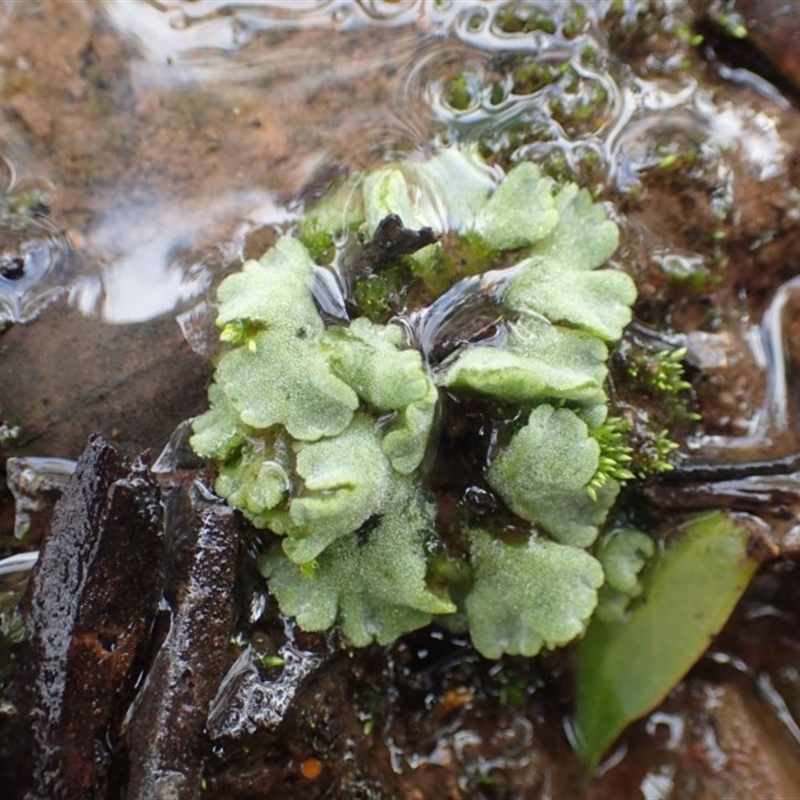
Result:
{"points": [[355, 82], [33, 260]]}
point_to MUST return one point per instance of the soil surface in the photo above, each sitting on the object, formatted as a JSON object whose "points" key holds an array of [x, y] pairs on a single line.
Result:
{"points": [[148, 148]]}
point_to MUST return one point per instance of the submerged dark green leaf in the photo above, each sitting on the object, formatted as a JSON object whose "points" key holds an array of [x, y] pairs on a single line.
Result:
{"points": [[624, 669]]}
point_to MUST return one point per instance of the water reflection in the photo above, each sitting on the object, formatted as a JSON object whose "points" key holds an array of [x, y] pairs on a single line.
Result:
{"points": [[158, 258], [34, 262], [172, 31], [659, 784], [226, 96]]}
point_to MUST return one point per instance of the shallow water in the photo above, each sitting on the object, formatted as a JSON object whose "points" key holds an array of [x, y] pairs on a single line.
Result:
{"points": [[161, 134], [184, 125]]}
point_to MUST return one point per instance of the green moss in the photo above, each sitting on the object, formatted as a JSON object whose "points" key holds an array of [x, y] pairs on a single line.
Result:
{"points": [[462, 92], [340, 210], [531, 75], [524, 18], [459, 257], [616, 454], [377, 295], [661, 374]]}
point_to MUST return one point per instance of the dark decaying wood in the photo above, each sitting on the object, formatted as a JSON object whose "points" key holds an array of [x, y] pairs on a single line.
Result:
{"points": [[88, 610], [166, 737]]}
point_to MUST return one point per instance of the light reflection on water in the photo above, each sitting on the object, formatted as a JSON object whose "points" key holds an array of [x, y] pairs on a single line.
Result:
{"points": [[196, 34], [157, 260], [309, 85], [281, 91], [222, 44]]}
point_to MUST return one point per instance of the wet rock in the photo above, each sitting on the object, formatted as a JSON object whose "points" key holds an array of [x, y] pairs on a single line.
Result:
{"points": [[766, 487], [166, 736], [88, 609], [70, 376], [711, 740], [390, 242], [739, 725]]}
